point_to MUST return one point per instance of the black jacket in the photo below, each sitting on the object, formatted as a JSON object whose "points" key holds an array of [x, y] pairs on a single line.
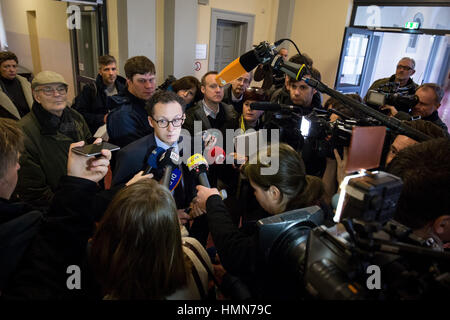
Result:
{"points": [[227, 98], [60, 242], [128, 120], [92, 101], [240, 255]]}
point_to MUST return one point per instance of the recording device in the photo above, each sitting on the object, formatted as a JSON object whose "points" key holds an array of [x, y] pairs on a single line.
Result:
{"points": [[198, 164], [262, 53], [168, 160], [216, 155], [152, 159], [402, 98], [91, 150], [335, 262]]}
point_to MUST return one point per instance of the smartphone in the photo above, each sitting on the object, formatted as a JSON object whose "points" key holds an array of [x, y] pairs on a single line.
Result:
{"points": [[94, 149]]}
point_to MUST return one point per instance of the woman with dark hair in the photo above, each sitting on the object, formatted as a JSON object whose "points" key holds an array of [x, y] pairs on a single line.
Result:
{"points": [[138, 252], [249, 119], [188, 88], [287, 189]]}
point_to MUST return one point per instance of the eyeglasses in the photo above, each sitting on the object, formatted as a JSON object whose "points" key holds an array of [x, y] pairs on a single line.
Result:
{"points": [[406, 68], [163, 123], [49, 91]]}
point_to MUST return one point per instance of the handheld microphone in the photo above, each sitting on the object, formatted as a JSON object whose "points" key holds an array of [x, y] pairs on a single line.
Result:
{"points": [[216, 155], [175, 178], [268, 106], [198, 164], [152, 160], [263, 53], [168, 160]]}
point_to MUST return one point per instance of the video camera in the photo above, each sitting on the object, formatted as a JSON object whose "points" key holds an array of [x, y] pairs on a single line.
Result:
{"points": [[367, 255], [402, 98], [322, 135]]}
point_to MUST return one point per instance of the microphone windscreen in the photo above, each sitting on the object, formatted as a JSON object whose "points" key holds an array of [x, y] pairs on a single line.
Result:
{"points": [[216, 155], [195, 161], [152, 159], [249, 61]]}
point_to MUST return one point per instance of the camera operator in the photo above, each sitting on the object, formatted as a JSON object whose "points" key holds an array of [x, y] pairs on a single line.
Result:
{"points": [[429, 100], [289, 188], [424, 203], [38, 247], [402, 76]]}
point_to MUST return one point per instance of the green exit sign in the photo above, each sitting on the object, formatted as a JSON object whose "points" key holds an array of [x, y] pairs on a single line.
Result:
{"points": [[412, 25]]}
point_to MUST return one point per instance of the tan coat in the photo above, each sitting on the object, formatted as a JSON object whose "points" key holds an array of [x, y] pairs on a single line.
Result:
{"points": [[6, 102]]}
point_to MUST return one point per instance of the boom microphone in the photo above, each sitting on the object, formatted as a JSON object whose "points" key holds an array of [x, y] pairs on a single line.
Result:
{"points": [[293, 70], [263, 53], [152, 160], [268, 106]]}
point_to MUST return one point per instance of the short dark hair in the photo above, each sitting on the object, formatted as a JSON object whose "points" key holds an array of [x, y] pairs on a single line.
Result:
{"points": [[425, 171], [187, 83], [11, 143], [291, 179], [438, 92], [138, 65], [8, 55], [203, 81], [106, 60], [254, 94], [313, 72], [163, 97], [339, 106]]}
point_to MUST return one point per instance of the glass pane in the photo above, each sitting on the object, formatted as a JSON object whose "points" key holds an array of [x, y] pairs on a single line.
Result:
{"points": [[87, 44], [396, 17], [354, 60]]}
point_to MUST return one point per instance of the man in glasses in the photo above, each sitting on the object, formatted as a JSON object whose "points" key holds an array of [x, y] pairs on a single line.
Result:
{"points": [[49, 130], [166, 116], [404, 71]]}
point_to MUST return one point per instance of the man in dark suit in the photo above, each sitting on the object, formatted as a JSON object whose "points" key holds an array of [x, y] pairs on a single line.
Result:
{"points": [[165, 115], [210, 111]]}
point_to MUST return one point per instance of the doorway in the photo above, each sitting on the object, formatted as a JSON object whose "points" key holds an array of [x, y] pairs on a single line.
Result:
{"points": [[88, 43], [231, 35]]}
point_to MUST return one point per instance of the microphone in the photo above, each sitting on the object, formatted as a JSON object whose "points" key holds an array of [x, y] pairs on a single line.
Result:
{"points": [[197, 163], [216, 155], [175, 178], [152, 159], [168, 160], [268, 106], [293, 70], [263, 53]]}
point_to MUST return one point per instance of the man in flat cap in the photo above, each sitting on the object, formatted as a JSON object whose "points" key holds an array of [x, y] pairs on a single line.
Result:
{"points": [[49, 129]]}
